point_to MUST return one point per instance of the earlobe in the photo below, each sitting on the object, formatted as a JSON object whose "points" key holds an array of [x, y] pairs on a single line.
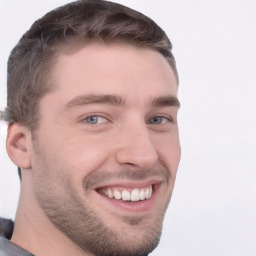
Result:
{"points": [[17, 141]]}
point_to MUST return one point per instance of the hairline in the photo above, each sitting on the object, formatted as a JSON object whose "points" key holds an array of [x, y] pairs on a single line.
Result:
{"points": [[73, 46]]}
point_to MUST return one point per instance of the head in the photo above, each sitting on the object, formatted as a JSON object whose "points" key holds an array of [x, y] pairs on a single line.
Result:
{"points": [[30, 62], [92, 88]]}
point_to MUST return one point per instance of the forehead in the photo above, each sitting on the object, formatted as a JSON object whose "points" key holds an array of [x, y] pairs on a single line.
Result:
{"points": [[121, 69]]}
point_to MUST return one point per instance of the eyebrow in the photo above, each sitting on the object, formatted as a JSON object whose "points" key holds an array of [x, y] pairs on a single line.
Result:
{"points": [[166, 101], [118, 101], [95, 98]]}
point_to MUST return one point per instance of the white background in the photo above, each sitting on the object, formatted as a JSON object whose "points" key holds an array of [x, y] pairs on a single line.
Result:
{"points": [[213, 210]]}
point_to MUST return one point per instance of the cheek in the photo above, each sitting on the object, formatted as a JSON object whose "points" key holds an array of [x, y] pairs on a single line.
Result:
{"points": [[169, 151], [81, 155]]}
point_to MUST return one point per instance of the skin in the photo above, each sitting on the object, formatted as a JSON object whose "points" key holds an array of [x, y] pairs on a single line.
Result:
{"points": [[87, 141]]}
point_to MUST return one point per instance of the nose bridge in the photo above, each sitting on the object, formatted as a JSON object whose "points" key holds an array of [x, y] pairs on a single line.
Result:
{"points": [[136, 147]]}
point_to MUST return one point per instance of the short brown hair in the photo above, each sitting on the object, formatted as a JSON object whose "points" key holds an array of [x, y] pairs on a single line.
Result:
{"points": [[30, 62]]}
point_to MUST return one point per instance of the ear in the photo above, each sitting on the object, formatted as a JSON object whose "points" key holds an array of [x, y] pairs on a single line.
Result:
{"points": [[18, 138]]}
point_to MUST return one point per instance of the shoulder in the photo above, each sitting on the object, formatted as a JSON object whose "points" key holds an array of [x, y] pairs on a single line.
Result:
{"points": [[6, 228], [7, 248]]}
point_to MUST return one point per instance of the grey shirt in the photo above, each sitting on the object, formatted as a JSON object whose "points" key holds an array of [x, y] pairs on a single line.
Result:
{"points": [[7, 248]]}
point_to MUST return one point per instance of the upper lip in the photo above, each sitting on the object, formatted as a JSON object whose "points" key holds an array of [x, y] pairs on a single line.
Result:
{"points": [[130, 184]]}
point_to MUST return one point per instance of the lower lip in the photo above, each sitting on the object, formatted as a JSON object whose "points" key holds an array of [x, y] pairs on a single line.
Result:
{"points": [[138, 206]]}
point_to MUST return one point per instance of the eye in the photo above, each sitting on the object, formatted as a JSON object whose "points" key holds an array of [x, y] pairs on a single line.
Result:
{"points": [[94, 119], [159, 120]]}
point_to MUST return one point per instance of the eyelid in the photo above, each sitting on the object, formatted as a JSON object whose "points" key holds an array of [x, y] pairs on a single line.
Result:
{"points": [[100, 115], [99, 119], [169, 118]]}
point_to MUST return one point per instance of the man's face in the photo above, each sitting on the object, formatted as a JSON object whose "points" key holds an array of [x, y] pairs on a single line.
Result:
{"points": [[107, 149]]}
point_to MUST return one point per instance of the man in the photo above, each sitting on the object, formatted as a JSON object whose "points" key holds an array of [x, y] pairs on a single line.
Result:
{"points": [[92, 103]]}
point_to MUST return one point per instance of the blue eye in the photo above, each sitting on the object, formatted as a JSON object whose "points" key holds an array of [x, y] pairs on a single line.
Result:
{"points": [[94, 119], [158, 120]]}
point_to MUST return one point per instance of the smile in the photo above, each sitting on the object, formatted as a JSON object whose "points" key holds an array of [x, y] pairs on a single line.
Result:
{"points": [[126, 194]]}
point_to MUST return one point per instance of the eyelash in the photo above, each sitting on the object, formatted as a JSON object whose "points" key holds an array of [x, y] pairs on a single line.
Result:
{"points": [[168, 119], [93, 116]]}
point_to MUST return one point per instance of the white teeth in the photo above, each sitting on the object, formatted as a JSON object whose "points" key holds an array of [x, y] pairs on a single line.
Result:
{"points": [[135, 195], [142, 194], [117, 194], [110, 194], [126, 196], [148, 192]]}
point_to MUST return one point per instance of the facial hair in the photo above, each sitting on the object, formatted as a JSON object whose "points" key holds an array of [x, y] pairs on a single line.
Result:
{"points": [[72, 215]]}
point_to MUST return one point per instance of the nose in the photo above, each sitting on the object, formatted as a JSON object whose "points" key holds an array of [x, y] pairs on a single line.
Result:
{"points": [[136, 149]]}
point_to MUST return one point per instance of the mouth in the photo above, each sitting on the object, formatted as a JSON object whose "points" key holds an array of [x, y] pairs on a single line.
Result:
{"points": [[127, 194], [130, 197]]}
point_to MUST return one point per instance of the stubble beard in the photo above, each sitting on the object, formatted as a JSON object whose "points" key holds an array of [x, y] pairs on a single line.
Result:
{"points": [[73, 217]]}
